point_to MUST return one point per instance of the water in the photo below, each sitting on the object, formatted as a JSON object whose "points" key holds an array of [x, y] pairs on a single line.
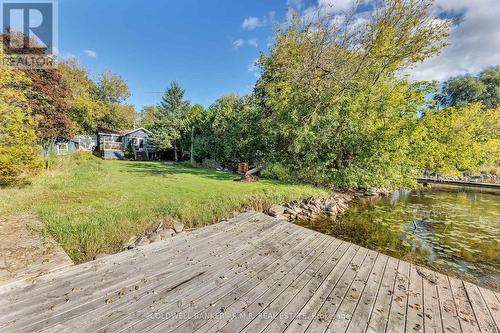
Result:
{"points": [[450, 230]]}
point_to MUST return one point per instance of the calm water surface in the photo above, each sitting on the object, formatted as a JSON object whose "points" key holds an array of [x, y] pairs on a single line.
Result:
{"points": [[451, 230]]}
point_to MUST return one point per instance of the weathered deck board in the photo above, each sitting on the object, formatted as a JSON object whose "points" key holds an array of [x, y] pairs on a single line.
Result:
{"points": [[380, 311], [253, 274]]}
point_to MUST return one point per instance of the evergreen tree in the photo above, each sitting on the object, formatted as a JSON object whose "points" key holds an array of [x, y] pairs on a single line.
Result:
{"points": [[170, 120]]}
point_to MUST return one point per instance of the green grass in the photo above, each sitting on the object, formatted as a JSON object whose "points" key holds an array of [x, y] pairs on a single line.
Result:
{"points": [[95, 206]]}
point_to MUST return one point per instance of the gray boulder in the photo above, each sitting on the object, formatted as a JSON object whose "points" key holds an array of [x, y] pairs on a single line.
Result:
{"points": [[130, 244], [143, 241], [154, 237], [178, 226], [276, 210], [166, 233]]}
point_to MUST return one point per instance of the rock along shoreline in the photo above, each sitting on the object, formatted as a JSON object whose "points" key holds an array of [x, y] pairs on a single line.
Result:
{"points": [[311, 208]]}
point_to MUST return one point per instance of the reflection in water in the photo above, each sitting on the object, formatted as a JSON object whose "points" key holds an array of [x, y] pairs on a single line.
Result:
{"points": [[451, 230]]}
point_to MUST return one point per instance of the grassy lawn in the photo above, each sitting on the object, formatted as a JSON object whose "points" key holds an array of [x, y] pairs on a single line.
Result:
{"points": [[95, 206]]}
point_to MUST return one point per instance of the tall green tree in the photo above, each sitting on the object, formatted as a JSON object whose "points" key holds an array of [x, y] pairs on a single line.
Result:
{"points": [[336, 110], [169, 124], [85, 109], [192, 120], [96, 104], [230, 131], [47, 95], [484, 88], [112, 88], [147, 116], [19, 151]]}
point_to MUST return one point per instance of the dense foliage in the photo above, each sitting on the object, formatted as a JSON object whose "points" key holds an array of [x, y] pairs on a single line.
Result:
{"points": [[96, 104], [484, 88], [169, 119], [230, 132], [40, 105], [18, 142], [331, 106], [459, 138]]}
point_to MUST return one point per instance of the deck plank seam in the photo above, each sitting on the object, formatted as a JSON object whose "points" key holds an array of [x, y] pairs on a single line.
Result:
{"points": [[305, 285], [489, 310], [231, 263], [439, 303], [90, 267], [350, 245], [315, 256], [312, 254], [181, 263], [361, 294], [335, 285], [374, 299], [252, 289], [346, 291], [296, 277]]}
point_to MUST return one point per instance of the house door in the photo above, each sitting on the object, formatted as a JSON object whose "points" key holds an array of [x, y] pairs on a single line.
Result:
{"points": [[139, 142]]}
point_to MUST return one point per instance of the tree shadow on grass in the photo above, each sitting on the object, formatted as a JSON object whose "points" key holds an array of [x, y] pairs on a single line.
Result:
{"points": [[160, 169]]}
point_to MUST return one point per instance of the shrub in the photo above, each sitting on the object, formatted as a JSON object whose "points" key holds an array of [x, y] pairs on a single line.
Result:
{"points": [[129, 153], [211, 164], [276, 171]]}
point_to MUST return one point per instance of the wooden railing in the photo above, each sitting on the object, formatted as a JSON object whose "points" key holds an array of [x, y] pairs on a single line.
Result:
{"points": [[111, 146]]}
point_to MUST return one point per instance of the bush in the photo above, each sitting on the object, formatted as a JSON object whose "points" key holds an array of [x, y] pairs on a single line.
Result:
{"points": [[211, 164], [129, 153], [82, 156], [276, 171]]}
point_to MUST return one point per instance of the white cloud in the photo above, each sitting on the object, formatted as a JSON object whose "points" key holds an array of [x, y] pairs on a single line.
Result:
{"points": [[335, 6], [90, 53], [238, 43], [253, 22], [474, 42], [252, 42], [242, 42]]}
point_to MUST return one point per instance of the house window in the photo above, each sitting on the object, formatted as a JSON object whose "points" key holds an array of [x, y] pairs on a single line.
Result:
{"points": [[62, 148]]}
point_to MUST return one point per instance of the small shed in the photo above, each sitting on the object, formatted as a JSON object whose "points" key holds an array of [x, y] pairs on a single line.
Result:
{"points": [[62, 146]]}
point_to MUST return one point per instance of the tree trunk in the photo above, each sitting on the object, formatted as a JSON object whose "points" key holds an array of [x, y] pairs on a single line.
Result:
{"points": [[192, 145], [175, 151]]}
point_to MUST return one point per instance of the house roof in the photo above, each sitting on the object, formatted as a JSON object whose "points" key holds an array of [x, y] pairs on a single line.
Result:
{"points": [[103, 130], [65, 139], [136, 130], [107, 131]]}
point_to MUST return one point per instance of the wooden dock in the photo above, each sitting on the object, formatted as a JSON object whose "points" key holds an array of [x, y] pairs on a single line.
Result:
{"points": [[444, 181], [250, 274]]}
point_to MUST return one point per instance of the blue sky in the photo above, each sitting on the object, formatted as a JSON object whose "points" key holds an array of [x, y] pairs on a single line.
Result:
{"points": [[209, 45], [204, 45]]}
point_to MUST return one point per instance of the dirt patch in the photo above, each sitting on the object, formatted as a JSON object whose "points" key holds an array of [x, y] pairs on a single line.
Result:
{"points": [[26, 251]]}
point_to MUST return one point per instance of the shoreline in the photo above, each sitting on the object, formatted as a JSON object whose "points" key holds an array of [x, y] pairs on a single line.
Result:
{"points": [[311, 208]]}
